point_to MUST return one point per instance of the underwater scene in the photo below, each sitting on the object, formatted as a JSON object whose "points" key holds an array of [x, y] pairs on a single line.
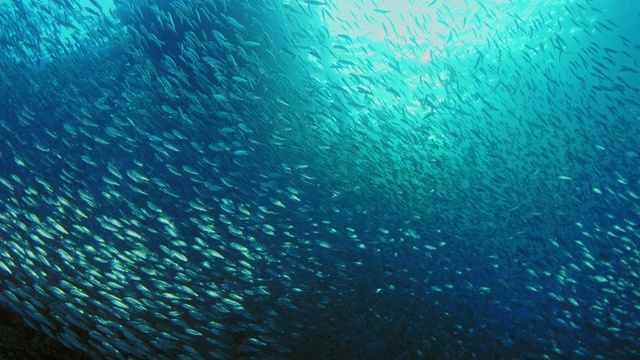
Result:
{"points": [[330, 179]]}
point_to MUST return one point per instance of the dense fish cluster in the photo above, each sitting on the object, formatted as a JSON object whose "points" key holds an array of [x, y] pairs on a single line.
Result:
{"points": [[198, 179]]}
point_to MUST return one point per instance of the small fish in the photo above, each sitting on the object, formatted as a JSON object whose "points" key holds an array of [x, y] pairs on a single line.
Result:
{"points": [[314, 2]]}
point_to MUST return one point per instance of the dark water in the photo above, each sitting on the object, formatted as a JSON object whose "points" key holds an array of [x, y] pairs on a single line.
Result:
{"points": [[311, 179]]}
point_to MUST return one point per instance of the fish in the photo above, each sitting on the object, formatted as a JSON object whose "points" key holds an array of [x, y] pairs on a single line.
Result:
{"points": [[315, 3], [300, 179]]}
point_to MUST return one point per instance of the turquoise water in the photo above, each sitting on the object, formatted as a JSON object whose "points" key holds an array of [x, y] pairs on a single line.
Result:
{"points": [[322, 179]]}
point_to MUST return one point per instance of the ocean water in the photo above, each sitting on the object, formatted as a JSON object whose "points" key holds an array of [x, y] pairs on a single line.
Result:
{"points": [[332, 179]]}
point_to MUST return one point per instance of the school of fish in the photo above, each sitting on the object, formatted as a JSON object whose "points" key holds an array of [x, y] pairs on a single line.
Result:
{"points": [[289, 179]]}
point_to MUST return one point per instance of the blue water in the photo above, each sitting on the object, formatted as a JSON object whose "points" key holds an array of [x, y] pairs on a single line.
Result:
{"points": [[317, 179]]}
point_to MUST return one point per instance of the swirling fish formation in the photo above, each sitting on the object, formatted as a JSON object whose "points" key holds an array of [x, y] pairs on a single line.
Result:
{"points": [[199, 179]]}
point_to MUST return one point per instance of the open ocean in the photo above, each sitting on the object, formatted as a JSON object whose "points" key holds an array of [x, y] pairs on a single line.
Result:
{"points": [[330, 179]]}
